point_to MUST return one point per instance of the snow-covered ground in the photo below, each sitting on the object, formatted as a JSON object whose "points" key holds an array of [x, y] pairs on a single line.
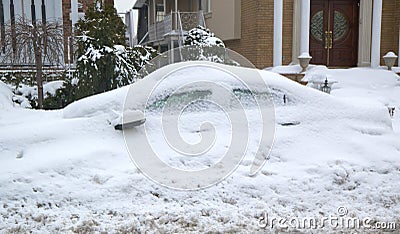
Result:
{"points": [[69, 170]]}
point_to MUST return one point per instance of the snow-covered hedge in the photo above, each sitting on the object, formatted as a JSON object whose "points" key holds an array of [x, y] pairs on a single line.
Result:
{"points": [[5, 96], [24, 89]]}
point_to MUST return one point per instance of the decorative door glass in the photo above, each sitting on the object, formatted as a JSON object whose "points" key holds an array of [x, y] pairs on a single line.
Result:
{"points": [[340, 26], [317, 26]]}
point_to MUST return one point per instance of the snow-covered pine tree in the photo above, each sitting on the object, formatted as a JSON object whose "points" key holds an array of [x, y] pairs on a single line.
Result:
{"points": [[201, 44], [102, 59]]}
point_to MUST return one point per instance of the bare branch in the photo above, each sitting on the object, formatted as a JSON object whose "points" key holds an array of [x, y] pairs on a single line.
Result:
{"points": [[37, 44], [44, 38]]}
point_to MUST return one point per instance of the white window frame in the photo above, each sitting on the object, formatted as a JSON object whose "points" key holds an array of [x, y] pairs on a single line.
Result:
{"points": [[207, 7], [160, 15]]}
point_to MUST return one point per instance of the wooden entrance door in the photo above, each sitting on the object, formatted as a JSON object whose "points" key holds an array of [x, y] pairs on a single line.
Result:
{"points": [[334, 32]]}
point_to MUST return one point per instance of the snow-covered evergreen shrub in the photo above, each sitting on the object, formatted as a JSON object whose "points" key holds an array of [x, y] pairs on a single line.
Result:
{"points": [[104, 62], [201, 36], [201, 44]]}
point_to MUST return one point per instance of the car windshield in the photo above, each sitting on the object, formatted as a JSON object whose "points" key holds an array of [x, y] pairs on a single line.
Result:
{"points": [[180, 100], [250, 98], [200, 100]]}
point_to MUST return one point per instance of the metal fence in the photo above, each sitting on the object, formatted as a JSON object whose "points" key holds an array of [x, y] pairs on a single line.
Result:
{"points": [[176, 22]]}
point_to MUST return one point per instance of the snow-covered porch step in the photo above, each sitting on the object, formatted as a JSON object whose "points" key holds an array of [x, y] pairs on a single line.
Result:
{"points": [[295, 77], [292, 72], [396, 70]]}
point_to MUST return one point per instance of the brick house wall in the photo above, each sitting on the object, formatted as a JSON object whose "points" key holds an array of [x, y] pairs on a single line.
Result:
{"points": [[257, 35], [67, 23], [287, 42], [390, 27], [256, 42], [246, 45], [67, 26], [257, 32], [265, 34]]}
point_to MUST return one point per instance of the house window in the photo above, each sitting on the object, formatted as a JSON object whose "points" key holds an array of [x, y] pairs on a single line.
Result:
{"points": [[160, 12], [205, 5]]}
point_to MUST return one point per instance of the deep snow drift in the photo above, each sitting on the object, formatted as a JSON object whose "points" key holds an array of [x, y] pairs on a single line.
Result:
{"points": [[69, 170], [5, 96]]}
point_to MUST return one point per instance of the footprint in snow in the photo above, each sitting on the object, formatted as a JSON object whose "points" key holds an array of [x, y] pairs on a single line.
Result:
{"points": [[20, 154]]}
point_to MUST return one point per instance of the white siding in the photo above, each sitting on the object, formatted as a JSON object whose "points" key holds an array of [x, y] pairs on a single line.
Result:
{"points": [[6, 7], [23, 8], [54, 9]]}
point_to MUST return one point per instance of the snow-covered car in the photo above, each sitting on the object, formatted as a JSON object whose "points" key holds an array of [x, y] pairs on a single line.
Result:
{"points": [[192, 90]]}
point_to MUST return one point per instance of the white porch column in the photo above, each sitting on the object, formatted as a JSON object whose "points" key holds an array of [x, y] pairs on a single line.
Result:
{"points": [[23, 10], [172, 51], [155, 12], [278, 19], [176, 15], [364, 38], [155, 18], [296, 31], [376, 34], [305, 27]]}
